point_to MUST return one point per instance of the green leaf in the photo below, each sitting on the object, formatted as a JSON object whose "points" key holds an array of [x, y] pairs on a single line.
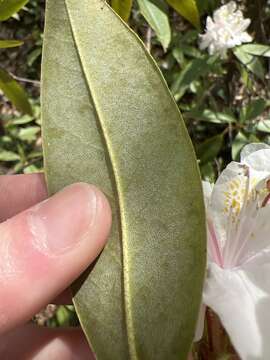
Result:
{"points": [[122, 7], [10, 7], [209, 149], [109, 119], [194, 69], [21, 120], [238, 143], [4, 44], [256, 49], [14, 92], [8, 156], [252, 62], [211, 116], [29, 133], [188, 9], [254, 109], [264, 126], [33, 56], [155, 13]]}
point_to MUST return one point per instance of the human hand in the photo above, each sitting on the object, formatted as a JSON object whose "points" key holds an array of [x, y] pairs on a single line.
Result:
{"points": [[44, 247]]}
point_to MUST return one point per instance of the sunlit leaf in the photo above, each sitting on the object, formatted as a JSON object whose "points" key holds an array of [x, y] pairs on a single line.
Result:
{"points": [[109, 119], [14, 92], [156, 14], [21, 120], [4, 44], [10, 7], [256, 49], [188, 9], [29, 133], [122, 7], [252, 62], [211, 116], [8, 156], [264, 126]]}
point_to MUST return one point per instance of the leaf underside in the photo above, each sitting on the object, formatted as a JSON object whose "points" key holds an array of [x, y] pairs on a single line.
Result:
{"points": [[109, 120]]}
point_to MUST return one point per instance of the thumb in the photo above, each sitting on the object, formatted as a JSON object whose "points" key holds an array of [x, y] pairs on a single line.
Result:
{"points": [[46, 247]]}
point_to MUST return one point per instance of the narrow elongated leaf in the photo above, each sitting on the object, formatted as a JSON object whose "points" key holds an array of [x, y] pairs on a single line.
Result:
{"points": [[155, 13], [188, 9], [109, 119], [123, 8], [4, 44], [10, 7], [14, 92]]}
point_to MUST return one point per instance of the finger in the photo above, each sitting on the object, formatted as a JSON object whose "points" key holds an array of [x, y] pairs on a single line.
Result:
{"points": [[45, 248], [19, 192], [41, 343]]}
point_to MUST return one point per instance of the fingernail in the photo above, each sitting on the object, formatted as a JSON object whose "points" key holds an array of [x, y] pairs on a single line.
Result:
{"points": [[60, 223]]}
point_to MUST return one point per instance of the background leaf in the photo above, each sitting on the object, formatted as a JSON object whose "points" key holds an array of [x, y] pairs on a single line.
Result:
{"points": [[194, 69], [211, 116], [264, 126], [238, 143], [256, 49], [8, 156], [10, 7], [188, 9], [122, 7], [209, 149], [155, 13], [14, 92], [130, 140], [4, 44], [253, 110], [252, 62]]}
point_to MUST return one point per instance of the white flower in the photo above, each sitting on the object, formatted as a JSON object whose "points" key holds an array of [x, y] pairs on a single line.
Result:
{"points": [[237, 285], [226, 30]]}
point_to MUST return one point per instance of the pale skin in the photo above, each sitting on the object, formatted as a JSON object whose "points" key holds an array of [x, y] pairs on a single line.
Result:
{"points": [[44, 247], [35, 271]]}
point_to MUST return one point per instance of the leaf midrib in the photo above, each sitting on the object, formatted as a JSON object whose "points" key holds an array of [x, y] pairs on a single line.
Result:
{"points": [[127, 302]]}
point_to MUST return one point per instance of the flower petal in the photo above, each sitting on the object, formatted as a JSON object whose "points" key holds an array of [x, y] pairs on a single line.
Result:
{"points": [[251, 148], [255, 224], [227, 199], [259, 160], [241, 299]]}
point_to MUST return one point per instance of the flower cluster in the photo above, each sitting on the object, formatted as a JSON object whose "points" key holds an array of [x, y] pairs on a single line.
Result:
{"points": [[237, 285], [226, 30]]}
